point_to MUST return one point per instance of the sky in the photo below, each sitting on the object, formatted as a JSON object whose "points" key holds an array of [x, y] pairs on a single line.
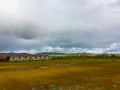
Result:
{"points": [[67, 26]]}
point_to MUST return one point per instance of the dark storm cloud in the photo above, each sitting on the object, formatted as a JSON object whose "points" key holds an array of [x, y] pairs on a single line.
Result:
{"points": [[27, 31]]}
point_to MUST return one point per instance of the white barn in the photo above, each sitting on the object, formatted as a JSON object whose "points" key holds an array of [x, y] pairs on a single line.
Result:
{"points": [[24, 57]]}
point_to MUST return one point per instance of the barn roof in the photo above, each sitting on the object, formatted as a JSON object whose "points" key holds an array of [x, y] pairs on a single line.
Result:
{"points": [[3, 56]]}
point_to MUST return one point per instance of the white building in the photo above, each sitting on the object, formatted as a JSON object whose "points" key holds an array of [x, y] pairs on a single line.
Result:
{"points": [[24, 57]]}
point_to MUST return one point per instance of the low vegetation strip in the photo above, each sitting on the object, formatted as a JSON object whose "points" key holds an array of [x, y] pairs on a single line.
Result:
{"points": [[61, 74]]}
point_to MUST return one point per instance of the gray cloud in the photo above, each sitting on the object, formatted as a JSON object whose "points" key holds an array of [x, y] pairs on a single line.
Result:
{"points": [[29, 25]]}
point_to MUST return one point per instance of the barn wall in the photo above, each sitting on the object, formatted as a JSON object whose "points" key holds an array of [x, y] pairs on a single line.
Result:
{"points": [[27, 58]]}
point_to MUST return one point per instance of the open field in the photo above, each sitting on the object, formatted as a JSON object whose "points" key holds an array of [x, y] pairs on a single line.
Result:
{"points": [[65, 74]]}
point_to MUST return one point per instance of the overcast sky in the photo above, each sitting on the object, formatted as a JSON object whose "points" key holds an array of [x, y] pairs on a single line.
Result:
{"points": [[60, 26]]}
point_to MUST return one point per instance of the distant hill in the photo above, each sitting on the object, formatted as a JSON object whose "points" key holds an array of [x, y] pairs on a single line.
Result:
{"points": [[50, 53]]}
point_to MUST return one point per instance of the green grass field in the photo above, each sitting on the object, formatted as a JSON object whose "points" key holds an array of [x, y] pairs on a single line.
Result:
{"points": [[61, 74]]}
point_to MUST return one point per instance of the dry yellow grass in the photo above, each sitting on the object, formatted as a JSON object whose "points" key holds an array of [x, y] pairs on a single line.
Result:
{"points": [[61, 75]]}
